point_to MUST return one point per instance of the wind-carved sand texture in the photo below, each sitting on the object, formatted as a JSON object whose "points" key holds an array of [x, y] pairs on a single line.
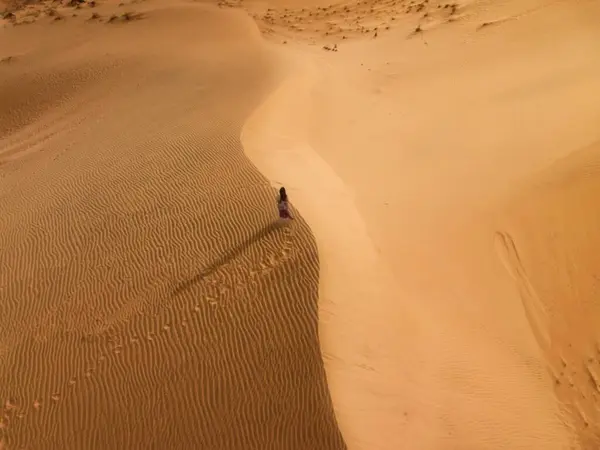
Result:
{"points": [[437, 290], [149, 296]]}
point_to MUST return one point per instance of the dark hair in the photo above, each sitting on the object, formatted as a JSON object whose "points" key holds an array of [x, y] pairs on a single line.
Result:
{"points": [[282, 194]]}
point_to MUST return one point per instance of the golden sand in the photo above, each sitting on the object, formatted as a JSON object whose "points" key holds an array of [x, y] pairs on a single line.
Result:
{"points": [[150, 298], [437, 290]]}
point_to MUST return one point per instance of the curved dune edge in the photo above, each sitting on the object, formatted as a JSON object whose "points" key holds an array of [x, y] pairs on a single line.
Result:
{"points": [[351, 273]]}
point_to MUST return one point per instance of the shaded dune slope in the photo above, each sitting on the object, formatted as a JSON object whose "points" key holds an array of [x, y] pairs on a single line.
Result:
{"points": [[149, 299], [550, 246]]}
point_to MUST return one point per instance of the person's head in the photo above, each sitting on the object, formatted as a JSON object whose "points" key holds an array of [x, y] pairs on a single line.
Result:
{"points": [[282, 194]]}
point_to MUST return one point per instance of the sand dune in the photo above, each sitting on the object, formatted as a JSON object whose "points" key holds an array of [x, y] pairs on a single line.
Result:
{"points": [[437, 290], [149, 297]]}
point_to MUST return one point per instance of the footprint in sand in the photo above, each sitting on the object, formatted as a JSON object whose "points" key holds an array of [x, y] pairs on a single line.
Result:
{"points": [[9, 405]]}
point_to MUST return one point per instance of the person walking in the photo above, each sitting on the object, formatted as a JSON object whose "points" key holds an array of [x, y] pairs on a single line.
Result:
{"points": [[283, 205]]}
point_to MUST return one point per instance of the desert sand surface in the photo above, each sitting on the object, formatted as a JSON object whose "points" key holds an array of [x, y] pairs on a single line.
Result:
{"points": [[149, 297], [438, 288]]}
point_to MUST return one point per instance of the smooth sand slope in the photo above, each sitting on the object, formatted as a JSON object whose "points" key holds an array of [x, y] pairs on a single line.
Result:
{"points": [[147, 297], [411, 154]]}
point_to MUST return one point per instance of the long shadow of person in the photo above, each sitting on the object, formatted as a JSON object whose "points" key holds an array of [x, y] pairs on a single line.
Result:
{"points": [[228, 256]]}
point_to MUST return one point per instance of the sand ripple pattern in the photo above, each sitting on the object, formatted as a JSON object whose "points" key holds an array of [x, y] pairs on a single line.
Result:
{"points": [[149, 297]]}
